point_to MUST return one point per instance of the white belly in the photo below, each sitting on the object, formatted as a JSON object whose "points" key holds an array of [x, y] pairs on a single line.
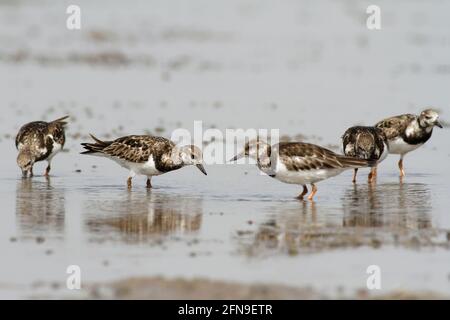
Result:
{"points": [[304, 177], [56, 149], [384, 154], [147, 168], [398, 146]]}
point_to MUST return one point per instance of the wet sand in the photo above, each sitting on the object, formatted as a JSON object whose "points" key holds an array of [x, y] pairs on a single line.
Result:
{"points": [[234, 233], [202, 289]]}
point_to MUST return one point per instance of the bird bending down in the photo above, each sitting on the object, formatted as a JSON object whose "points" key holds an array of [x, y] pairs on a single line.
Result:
{"points": [[367, 143], [408, 132], [39, 141], [299, 163], [146, 155]]}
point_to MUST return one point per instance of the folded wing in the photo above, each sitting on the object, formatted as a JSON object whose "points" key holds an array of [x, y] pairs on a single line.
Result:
{"points": [[304, 156]]}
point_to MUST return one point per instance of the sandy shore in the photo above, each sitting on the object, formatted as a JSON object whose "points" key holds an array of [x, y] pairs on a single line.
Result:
{"points": [[156, 288]]}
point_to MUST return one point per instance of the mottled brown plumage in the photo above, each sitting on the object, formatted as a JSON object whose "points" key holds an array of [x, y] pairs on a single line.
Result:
{"points": [[38, 141], [299, 163], [147, 155], [368, 143], [364, 142], [137, 149], [305, 156], [408, 132], [414, 130], [396, 126]]}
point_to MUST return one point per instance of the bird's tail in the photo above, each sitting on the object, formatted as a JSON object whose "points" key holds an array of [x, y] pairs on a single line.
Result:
{"points": [[96, 147], [60, 121], [351, 162]]}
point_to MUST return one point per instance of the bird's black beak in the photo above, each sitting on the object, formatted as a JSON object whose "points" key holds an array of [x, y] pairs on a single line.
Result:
{"points": [[201, 168], [236, 157], [437, 123]]}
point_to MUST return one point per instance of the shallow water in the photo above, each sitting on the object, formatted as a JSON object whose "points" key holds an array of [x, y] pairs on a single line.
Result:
{"points": [[229, 225], [299, 75]]}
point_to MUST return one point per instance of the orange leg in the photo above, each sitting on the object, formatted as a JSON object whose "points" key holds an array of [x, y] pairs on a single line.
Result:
{"points": [[400, 166], [354, 175], [129, 182], [373, 174], [304, 192], [313, 192]]}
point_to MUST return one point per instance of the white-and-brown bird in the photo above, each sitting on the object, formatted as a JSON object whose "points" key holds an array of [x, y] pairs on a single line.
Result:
{"points": [[146, 155], [299, 163], [367, 143], [408, 132], [39, 141]]}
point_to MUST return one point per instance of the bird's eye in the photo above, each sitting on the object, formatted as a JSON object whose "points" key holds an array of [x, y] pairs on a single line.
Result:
{"points": [[192, 157]]}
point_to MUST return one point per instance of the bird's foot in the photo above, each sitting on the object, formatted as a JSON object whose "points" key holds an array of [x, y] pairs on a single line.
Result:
{"points": [[313, 193], [304, 192]]}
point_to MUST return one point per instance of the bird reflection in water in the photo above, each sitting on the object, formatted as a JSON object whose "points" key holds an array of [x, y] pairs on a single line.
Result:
{"points": [[289, 227], [40, 208], [391, 206], [137, 217], [371, 215]]}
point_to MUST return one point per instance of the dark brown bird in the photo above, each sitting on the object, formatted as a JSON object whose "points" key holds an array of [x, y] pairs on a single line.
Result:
{"points": [[39, 141], [367, 143], [146, 155]]}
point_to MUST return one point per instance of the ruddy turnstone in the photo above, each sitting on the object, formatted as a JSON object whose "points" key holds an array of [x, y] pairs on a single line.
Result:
{"points": [[146, 155], [368, 143], [408, 132], [299, 163], [38, 141]]}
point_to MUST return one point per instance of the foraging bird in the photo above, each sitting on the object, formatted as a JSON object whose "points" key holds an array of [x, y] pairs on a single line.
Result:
{"points": [[408, 132], [146, 155], [299, 163], [39, 141], [368, 143]]}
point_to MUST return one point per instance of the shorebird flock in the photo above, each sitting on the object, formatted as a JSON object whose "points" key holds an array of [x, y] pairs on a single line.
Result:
{"points": [[289, 162]]}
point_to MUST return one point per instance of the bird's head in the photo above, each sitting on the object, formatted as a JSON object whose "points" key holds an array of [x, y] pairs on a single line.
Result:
{"points": [[192, 155], [429, 118], [254, 149], [25, 161]]}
